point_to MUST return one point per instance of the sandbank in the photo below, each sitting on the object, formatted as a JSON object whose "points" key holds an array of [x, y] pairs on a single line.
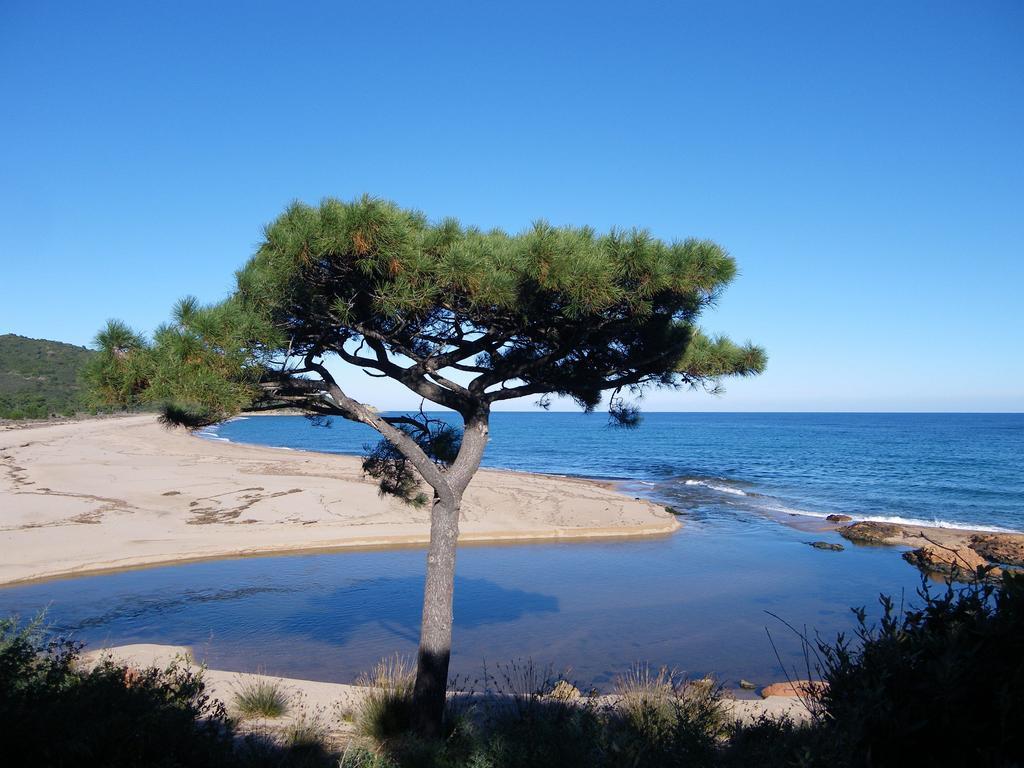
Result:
{"points": [[102, 494]]}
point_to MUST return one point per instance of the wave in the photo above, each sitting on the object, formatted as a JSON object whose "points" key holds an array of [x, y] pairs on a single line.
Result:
{"points": [[212, 434], [716, 487], [899, 520]]}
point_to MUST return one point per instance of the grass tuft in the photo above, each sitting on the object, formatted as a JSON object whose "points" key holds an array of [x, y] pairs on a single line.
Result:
{"points": [[386, 708], [261, 698]]}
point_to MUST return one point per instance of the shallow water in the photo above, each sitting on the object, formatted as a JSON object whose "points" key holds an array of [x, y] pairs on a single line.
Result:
{"points": [[700, 599], [695, 600]]}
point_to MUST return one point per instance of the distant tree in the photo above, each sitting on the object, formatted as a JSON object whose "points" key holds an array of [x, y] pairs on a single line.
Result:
{"points": [[463, 318]]}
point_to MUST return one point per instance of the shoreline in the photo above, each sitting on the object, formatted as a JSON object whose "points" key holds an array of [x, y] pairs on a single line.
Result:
{"points": [[103, 495], [495, 539]]}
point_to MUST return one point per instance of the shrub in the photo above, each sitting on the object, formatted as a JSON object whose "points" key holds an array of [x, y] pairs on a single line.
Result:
{"points": [[55, 712], [261, 698], [662, 719], [527, 716], [264, 750], [546, 733], [779, 742], [942, 683]]}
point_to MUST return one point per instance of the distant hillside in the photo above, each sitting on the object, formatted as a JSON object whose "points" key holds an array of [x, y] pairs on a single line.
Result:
{"points": [[39, 378]]}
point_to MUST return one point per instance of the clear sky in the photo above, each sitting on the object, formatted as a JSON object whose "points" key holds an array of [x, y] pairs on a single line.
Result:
{"points": [[863, 161]]}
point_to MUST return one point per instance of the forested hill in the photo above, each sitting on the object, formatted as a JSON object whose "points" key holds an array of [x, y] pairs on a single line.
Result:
{"points": [[39, 378]]}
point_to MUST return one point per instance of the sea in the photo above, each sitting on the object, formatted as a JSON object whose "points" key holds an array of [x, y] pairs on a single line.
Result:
{"points": [[730, 594]]}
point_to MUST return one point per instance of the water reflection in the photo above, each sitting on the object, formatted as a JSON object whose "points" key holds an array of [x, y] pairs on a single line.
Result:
{"points": [[143, 607], [394, 604]]}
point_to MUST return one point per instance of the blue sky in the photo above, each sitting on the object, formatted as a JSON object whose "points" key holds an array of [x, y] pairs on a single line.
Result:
{"points": [[863, 162]]}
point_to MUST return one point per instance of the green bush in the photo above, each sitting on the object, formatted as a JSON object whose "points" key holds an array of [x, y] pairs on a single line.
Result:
{"points": [[939, 685], [56, 713], [945, 682]]}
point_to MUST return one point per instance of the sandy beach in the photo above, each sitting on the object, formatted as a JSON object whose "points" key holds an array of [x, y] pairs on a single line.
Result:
{"points": [[101, 494]]}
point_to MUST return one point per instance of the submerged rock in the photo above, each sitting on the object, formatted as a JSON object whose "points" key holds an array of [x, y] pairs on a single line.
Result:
{"points": [[869, 532], [1006, 548], [961, 563], [839, 518], [826, 545]]}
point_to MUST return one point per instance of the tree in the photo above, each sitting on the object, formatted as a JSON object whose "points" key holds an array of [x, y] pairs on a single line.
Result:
{"points": [[463, 318]]}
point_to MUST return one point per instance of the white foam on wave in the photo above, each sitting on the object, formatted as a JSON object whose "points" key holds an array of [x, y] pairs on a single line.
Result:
{"points": [[898, 520], [211, 434], [936, 523], [714, 487]]}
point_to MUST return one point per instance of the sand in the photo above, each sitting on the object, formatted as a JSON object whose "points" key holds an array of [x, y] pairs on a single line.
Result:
{"points": [[102, 494]]}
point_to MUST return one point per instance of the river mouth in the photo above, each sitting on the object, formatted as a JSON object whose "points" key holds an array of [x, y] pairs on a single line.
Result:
{"points": [[700, 600]]}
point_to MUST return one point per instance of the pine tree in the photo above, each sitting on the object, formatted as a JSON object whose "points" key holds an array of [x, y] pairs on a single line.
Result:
{"points": [[463, 318]]}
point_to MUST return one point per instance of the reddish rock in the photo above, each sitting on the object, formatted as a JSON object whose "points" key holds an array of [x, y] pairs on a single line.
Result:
{"points": [[795, 688], [961, 563], [871, 533], [1006, 548], [839, 518]]}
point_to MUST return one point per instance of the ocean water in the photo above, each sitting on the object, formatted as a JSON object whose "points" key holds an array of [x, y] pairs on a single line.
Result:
{"points": [[707, 599], [932, 469]]}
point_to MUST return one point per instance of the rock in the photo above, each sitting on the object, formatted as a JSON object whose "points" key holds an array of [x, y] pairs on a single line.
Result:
{"points": [[961, 563], [1006, 548], [826, 545], [705, 683], [795, 688], [871, 533], [839, 518], [565, 691], [746, 685]]}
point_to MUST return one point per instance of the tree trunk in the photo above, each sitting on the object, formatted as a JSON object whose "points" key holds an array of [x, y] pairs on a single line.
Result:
{"points": [[435, 650], [428, 697]]}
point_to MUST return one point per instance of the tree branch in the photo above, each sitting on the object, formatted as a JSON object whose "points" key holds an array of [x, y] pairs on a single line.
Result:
{"points": [[359, 412]]}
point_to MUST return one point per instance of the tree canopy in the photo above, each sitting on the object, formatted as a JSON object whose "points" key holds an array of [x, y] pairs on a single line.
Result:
{"points": [[462, 317]]}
